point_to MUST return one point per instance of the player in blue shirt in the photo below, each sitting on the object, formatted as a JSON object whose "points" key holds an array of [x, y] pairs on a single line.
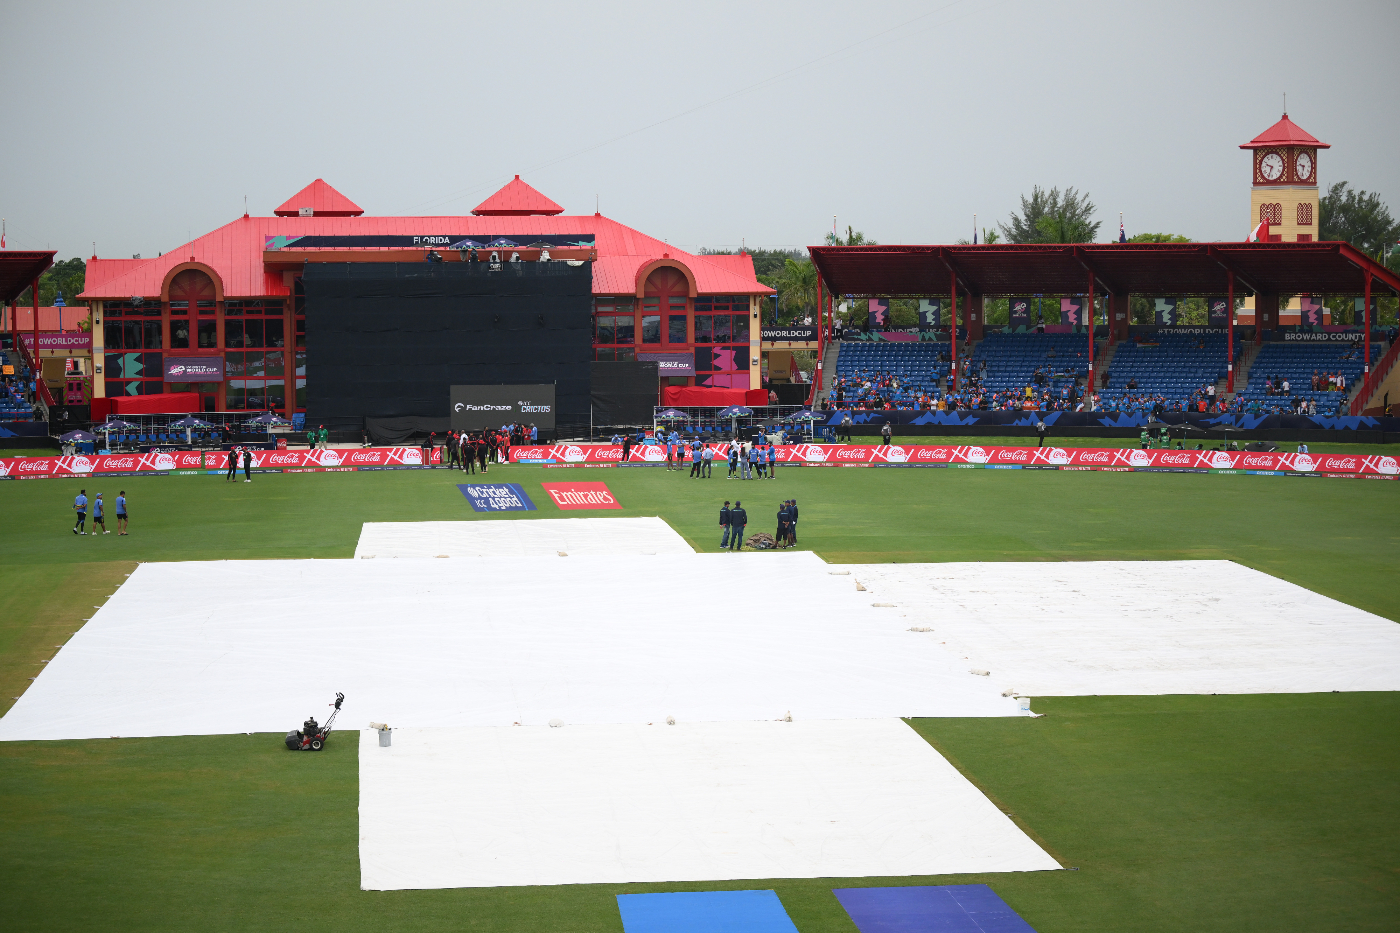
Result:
{"points": [[97, 517], [772, 461], [121, 512], [80, 506]]}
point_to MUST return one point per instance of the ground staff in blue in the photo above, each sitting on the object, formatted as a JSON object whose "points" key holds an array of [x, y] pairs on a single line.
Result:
{"points": [[80, 506], [738, 519]]}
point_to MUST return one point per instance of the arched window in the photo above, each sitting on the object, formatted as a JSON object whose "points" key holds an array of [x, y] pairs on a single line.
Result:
{"points": [[1272, 213], [1305, 215]]}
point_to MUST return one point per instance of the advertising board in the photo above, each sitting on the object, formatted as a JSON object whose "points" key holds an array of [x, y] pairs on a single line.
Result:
{"points": [[474, 407]]}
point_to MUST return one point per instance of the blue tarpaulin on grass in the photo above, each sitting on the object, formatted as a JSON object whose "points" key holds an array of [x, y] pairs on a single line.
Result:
{"points": [[704, 912], [953, 908]]}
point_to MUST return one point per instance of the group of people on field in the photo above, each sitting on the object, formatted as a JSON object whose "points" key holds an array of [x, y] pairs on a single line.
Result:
{"points": [[99, 513], [735, 520], [469, 450]]}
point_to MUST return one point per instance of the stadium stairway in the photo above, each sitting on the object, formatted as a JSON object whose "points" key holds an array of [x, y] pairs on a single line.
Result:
{"points": [[1104, 361], [830, 358]]}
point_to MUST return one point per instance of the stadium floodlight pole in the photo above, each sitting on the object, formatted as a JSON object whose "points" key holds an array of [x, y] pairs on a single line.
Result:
{"points": [[1229, 330], [821, 336]]}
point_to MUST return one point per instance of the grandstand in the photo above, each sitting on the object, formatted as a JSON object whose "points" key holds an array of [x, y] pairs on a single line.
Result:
{"points": [[1296, 363], [13, 407], [1173, 366], [917, 367], [1012, 359]]}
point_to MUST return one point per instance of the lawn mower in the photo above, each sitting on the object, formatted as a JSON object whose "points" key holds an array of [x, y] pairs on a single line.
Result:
{"points": [[311, 737]]}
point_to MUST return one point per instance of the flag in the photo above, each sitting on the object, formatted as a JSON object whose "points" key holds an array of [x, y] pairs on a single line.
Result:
{"points": [[930, 313], [1166, 312], [1122, 234], [1219, 311], [1259, 234], [1019, 312], [1070, 310], [879, 312]]}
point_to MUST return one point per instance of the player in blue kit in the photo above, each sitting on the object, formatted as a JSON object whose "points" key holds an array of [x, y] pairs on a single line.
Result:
{"points": [[80, 505]]}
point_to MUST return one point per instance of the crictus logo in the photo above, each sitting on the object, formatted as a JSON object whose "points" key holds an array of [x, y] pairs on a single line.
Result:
{"points": [[568, 496]]}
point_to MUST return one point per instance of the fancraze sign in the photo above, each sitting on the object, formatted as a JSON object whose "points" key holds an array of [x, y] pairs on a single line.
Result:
{"points": [[475, 407]]}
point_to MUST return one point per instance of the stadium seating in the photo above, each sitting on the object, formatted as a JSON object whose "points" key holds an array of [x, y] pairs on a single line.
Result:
{"points": [[916, 366], [1173, 366], [1012, 359], [1296, 362]]}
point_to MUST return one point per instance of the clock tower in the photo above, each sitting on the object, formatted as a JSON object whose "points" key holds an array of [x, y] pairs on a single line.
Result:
{"points": [[1284, 190]]}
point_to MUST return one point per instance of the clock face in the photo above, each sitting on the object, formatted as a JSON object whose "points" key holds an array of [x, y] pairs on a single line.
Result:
{"points": [[1271, 166], [1303, 166]]}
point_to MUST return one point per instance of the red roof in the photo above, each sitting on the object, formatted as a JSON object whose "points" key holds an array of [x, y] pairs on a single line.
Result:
{"points": [[517, 199], [19, 268], [1285, 133], [323, 200], [235, 252], [1330, 268]]}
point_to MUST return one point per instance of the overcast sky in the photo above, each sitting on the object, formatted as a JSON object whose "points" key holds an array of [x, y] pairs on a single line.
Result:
{"points": [[139, 125]]}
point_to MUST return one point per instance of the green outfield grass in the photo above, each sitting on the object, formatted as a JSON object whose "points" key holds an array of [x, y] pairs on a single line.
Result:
{"points": [[1202, 813]]}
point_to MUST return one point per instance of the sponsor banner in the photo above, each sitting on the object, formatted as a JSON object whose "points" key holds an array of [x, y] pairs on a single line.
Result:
{"points": [[1019, 310], [930, 313], [1165, 312], [474, 407], [398, 458], [64, 341], [497, 497], [797, 333], [214, 460], [569, 496], [194, 369], [671, 364], [1318, 337], [879, 312]]}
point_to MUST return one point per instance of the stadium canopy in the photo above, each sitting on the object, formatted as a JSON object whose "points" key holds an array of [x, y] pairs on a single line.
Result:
{"points": [[1328, 268], [20, 269]]}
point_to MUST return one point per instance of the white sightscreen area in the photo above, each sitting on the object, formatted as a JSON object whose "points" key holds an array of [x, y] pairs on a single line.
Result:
{"points": [[1141, 627], [220, 647], [533, 805], [539, 537]]}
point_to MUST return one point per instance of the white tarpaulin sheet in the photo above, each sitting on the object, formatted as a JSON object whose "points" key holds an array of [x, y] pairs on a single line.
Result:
{"points": [[255, 646], [540, 537], [447, 808], [1142, 627]]}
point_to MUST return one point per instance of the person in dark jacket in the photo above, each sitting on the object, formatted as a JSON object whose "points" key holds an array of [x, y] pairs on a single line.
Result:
{"points": [[886, 434], [1040, 432], [724, 523], [626, 448], [232, 465], [781, 535], [792, 522], [247, 466], [738, 519]]}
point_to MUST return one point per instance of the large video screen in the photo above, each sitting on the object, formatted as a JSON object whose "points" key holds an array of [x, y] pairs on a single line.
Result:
{"points": [[477, 407], [390, 340]]}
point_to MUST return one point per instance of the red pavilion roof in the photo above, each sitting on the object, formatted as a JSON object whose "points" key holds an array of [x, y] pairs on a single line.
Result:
{"points": [[323, 200], [1285, 133], [517, 199]]}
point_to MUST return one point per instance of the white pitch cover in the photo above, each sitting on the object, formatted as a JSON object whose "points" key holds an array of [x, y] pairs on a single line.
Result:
{"points": [[219, 647], [1116, 628], [445, 808], [537, 537]]}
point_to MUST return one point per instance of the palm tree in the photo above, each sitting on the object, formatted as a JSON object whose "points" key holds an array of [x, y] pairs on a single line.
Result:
{"points": [[797, 287]]}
